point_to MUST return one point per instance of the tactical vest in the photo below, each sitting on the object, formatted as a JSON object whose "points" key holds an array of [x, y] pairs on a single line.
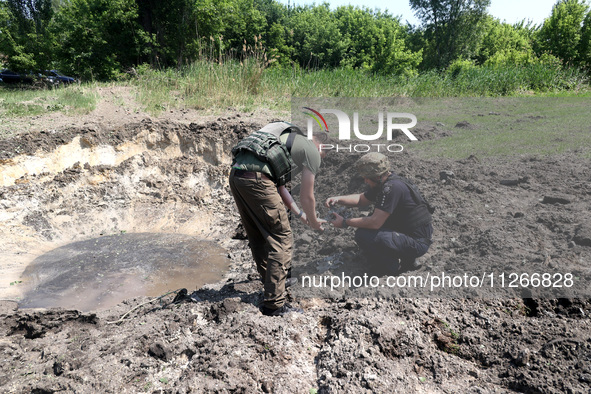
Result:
{"points": [[266, 146], [421, 213]]}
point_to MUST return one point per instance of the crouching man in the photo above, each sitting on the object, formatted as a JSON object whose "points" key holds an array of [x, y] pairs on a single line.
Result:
{"points": [[400, 227]]}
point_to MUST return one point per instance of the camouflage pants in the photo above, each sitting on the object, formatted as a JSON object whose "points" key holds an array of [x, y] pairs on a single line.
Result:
{"points": [[266, 223]]}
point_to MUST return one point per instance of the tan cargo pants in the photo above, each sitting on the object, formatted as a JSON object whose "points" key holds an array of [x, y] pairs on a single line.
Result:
{"points": [[266, 223]]}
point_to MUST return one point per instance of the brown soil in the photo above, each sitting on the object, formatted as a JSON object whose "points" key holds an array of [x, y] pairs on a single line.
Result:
{"points": [[170, 176]]}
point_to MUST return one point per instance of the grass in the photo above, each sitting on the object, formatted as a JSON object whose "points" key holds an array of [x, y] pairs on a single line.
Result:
{"points": [[248, 85], [508, 126], [479, 126], [538, 108], [70, 100]]}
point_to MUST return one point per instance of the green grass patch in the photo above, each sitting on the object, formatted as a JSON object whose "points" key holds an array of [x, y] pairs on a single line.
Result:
{"points": [[507, 126], [69, 100], [248, 85], [537, 109], [484, 127]]}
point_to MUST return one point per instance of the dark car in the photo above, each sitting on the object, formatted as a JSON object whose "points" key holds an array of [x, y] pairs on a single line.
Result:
{"points": [[57, 78], [8, 76]]}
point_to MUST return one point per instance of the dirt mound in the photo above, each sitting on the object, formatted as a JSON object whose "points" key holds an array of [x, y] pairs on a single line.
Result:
{"points": [[171, 177]]}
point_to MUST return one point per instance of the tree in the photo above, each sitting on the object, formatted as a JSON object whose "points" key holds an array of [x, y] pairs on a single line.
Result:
{"points": [[359, 27], [585, 43], [242, 22], [504, 43], [452, 28], [392, 54], [562, 32], [25, 39], [316, 38], [171, 28], [97, 39]]}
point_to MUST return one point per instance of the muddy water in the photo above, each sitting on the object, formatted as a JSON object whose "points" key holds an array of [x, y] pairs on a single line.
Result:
{"points": [[101, 272]]}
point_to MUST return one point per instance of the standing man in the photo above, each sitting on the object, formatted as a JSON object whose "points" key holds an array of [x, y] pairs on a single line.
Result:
{"points": [[263, 163], [400, 228]]}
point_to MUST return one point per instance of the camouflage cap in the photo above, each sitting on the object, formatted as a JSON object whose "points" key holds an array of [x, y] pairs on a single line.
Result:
{"points": [[372, 165]]}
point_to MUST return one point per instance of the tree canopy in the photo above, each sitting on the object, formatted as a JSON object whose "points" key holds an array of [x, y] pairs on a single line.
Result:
{"points": [[101, 39]]}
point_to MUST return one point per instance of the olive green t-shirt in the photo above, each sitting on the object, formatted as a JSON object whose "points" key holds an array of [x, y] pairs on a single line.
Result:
{"points": [[303, 152]]}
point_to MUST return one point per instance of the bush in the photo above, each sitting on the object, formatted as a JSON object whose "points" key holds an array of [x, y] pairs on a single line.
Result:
{"points": [[460, 66]]}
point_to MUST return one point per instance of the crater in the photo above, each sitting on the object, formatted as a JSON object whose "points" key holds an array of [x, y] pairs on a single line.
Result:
{"points": [[156, 192]]}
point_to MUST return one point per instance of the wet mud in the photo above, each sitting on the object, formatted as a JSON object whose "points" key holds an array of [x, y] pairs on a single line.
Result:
{"points": [[101, 272]]}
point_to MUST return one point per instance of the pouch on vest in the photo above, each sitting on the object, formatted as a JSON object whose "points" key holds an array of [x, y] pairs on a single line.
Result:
{"points": [[266, 146]]}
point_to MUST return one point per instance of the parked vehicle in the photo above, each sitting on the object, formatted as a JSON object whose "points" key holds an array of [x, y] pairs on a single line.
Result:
{"points": [[8, 76], [57, 78]]}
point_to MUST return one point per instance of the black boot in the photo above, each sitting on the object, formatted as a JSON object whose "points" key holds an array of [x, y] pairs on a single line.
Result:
{"points": [[407, 265], [284, 310]]}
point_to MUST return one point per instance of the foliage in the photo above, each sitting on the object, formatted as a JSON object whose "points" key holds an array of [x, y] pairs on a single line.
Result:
{"points": [[506, 44], [457, 42], [585, 44], [392, 56], [97, 38], [25, 38], [243, 22], [561, 34], [377, 42], [168, 30], [453, 28], [316, 38]]}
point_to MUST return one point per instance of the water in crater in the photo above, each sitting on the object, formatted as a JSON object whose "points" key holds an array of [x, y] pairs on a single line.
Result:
{"points": [[101, 272]]}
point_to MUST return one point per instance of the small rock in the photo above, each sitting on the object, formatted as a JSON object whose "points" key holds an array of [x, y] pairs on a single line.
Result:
{"points": [[157, 350], [267, 386], [523, 357], [583, 235], [8, 306], [58, 368], [514, 182], [305, 238], [444, 175], [555, 200], [465, 125]]}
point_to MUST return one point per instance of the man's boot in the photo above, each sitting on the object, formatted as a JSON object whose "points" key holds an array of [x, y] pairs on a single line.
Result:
{"points": [[407, 265]]}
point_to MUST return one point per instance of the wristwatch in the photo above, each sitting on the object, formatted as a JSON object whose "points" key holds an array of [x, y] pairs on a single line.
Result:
{"points": [[345, 225], [299, 215]]}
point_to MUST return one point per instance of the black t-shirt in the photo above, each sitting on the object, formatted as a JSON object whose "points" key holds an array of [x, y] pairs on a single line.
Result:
{"points": [[395, 198]]}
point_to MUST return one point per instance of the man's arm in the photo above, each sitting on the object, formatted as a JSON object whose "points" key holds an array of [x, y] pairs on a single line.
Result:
{"points": [[373, 222], [307, 199], [291, 204], [352, 200]]}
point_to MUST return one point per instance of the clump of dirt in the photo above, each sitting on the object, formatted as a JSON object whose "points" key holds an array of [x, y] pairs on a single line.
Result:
{"points": [[171, 177]]}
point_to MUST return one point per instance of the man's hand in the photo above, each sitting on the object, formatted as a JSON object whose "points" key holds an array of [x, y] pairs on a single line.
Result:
{"points": [[318, 226], [331, 201], [337, 220]]}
